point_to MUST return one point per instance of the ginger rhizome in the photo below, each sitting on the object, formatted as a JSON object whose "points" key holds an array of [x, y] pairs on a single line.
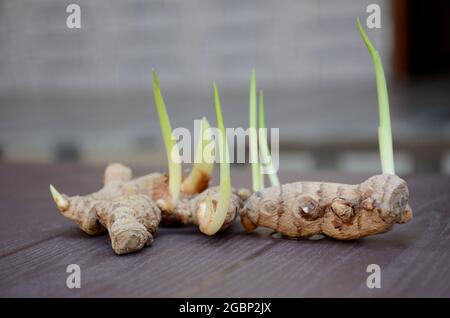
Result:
{"points": [[131, 209], [122, 206], [341, 211], [127, 208], [216, 208], [201, 209]]}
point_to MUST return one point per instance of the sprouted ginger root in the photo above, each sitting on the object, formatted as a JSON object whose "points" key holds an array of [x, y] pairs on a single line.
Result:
{"points": [[122, 206], [341, 211], [192, 211], [131, 209], [126, 208]]}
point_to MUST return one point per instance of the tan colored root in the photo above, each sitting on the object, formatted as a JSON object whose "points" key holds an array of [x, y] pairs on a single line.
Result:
{"points": [[128, 208], [118, 185], [117, 172], [131, 222], [341, 211], [196, 182], [118, 182], [189, 210], [124, 206]]}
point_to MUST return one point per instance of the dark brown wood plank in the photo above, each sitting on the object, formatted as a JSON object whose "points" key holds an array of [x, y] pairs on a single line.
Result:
{"points": [[37, 244], [413, 258], [178, 260], [28, 213]]}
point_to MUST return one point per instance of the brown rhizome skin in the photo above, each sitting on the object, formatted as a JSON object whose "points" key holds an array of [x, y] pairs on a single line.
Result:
{"points": [[131, 209], [341, 211]]}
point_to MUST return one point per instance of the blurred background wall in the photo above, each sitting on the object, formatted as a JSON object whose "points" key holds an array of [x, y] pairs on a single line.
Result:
{"points": [[86, 94]]}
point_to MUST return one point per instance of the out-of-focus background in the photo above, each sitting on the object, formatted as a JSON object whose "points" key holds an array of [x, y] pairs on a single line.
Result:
{"points": [[85, 95]]}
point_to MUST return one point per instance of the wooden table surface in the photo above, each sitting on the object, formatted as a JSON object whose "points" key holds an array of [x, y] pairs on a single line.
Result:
{"points": [[37, 244]]}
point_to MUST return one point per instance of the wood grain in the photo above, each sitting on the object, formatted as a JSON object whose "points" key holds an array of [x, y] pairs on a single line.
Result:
{"points": [[37, 244]]}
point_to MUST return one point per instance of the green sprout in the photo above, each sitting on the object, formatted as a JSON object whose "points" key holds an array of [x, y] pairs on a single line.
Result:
{"points": [[201, 163], [257, 180], [172, 152], [204, 163], [274, 182], [211, 221], [384, 130]]}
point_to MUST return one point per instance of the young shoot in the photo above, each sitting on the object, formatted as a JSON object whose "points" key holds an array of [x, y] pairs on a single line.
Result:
{"points": [[267, 159], [172, 152], [213, 218], [257, 179], [384, 130], [61, 202], [203, 168]]}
